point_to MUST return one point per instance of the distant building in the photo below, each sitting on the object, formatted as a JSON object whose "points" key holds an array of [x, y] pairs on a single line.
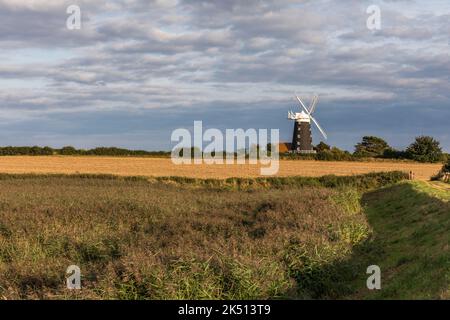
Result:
{"points": [[302, 137], [284, 147]]}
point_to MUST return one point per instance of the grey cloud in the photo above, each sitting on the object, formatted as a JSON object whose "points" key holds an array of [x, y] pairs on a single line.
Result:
{"points": [[180, 61]]}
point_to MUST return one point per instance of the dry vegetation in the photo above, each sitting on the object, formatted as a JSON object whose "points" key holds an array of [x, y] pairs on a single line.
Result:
{"points": [[134, 239], [129, 166], [178, 238]]}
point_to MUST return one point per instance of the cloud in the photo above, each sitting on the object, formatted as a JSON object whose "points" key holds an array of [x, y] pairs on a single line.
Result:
{"points": [[224, 60]]}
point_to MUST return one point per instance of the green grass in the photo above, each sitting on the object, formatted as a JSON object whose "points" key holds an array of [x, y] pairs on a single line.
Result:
{"points": [[410, 243], [437, 189]]}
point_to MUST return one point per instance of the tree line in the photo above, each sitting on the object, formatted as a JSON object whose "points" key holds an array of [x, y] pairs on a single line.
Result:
{"points": [[69, 151], [422, 149]]}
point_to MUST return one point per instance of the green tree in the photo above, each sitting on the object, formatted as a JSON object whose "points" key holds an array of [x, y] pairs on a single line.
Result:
{"points": [[371, 146], [68, 150], [47, 151], [425, 149]]}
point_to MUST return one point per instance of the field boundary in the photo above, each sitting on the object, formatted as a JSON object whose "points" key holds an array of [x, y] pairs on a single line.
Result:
{"points": [[361, 182]]}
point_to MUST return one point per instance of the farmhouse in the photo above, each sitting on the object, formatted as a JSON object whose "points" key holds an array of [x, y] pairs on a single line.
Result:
{"points": [[284, 147]]}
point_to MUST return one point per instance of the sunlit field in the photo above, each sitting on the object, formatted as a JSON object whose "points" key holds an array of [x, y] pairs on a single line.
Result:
{"points": [[132, 166], [296, 238]]}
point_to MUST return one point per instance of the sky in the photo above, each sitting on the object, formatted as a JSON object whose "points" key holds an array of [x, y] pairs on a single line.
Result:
{"points": [[139, 69]]}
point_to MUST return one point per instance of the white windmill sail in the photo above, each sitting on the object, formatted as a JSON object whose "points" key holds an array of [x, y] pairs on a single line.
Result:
{"points": [[320, 128], [313, 105], [301, 102], [310, 111]]}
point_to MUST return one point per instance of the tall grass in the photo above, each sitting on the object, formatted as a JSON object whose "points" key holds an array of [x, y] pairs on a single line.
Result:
{"points": [[178, 238], [360, 182]]}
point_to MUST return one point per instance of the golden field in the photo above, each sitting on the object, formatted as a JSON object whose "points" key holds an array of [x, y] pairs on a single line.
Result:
{"points": [[139, 166]]}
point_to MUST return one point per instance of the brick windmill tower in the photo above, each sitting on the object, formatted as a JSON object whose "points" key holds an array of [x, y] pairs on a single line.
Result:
{"points": [[302, 137]]}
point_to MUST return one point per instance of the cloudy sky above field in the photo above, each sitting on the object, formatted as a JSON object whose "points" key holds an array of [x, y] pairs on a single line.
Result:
{"points": [[139, 69]]}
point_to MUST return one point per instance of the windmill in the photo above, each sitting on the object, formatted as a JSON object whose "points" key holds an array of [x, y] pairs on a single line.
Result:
{"points": [[302, 138]]}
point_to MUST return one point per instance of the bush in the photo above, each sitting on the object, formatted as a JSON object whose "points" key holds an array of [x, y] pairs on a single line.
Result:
{"points": [[359, 182], [335, 154], [391, 153], [322, 146]]}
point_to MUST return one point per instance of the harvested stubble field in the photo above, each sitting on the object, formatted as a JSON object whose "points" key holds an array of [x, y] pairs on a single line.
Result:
{"points": [[132, 166]]}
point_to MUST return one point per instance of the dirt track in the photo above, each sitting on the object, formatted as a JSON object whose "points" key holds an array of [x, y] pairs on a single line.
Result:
{"points": [[164, 167]]}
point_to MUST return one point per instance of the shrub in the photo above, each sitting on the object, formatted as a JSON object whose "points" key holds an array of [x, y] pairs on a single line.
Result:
{"points": [[360, 182], [322, 146], [335, 154], [391, 153]]}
